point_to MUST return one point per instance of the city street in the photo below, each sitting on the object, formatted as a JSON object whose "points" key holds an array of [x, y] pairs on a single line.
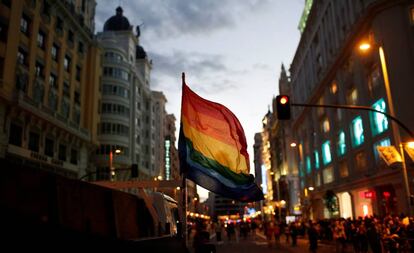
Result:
{"points": [[258, 244]]}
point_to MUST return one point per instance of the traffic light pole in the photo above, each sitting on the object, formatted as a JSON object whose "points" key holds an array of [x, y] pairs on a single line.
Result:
{"points": [[366, 108]]}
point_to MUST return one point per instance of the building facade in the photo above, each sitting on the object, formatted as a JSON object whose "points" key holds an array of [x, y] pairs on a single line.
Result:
{"points": [[337, 153], [48, 99], [127, 120]]}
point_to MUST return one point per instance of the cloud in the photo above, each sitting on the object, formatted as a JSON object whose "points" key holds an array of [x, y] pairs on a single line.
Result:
{"points": [[172, 18], [199, 65]]}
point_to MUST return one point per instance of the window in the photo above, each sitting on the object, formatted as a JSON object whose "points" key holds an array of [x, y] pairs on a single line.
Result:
{"points": [[52, 100], [77, 98], [4, 29], [53, 81], [66, 63], [308, 165], [34, 142], [49, 147], [22, 57], [341, 144], [328, 176], [343, 169], [357, 130], [374, 78], [379, 122], [41, 39], [412, 15], [66, 89], [39, 70], [80, 47], [361, 160], [78, 73], [59, 24], [383, 143], [334, 88], [65, 108], [70, 36], [15, 135], [352, 97], [318, 179], [62, 152], [55, 52], [73, 156], [326, 152], [24, 24], [325, 125], [316, 156]]}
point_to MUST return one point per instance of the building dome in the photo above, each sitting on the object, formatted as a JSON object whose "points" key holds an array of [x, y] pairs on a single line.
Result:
{"points": [[117, 22], [140, 53]]}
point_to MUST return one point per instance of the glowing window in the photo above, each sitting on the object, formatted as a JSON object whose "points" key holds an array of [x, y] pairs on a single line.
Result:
{"points": [[343, 169], [316, 155], [308, 165], [357, 132], [353, 96], [412, 15], [325, 125], [379, 121], [334, 88], [328, 176], [318, 179], [326, 152], [341, 145]]}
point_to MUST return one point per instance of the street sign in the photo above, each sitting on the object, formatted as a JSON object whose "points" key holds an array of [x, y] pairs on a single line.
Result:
{"points": [[389, 154]]}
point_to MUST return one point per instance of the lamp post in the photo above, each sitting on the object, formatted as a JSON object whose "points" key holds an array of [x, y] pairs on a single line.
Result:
{"points": [[111, 158], [364, 47]]}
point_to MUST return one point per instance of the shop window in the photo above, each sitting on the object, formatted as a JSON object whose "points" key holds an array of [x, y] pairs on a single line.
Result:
{"points": [[326, 152], [357, 132], [379, 122], [341, 144]]}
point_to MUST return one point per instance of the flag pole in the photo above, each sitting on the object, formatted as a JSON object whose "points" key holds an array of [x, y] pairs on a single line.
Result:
{"points": [[184, 183]]}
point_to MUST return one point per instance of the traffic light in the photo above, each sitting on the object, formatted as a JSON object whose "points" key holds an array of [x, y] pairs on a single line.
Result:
{"points": [[134, 170], [283, 107]]}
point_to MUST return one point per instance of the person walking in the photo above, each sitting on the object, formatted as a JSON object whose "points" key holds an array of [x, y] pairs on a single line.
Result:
{"points": [[312, 237]]}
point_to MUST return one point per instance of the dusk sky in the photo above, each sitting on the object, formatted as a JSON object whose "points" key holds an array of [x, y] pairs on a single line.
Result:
{"points": [[230, 50]]}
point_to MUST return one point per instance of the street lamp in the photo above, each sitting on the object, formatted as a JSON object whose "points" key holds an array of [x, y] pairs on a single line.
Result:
{"points": [[364, 47], [111, 158]]}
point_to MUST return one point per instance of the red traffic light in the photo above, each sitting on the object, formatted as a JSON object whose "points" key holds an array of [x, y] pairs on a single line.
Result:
{"points": [[284, 100]]}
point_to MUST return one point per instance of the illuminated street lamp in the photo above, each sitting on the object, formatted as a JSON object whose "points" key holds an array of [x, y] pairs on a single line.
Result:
{"points": [[111, 158], [365, 47]]}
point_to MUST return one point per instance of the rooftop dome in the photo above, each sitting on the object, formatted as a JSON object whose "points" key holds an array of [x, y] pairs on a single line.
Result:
{"points": [[117, 22], [140, 53]]}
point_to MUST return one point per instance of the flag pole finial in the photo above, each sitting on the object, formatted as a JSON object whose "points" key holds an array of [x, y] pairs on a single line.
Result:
{"points": [[183, 78]]}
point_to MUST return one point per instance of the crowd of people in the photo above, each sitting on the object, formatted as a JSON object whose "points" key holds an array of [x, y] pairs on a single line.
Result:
{"points": [[370, 234], [390, 234]]}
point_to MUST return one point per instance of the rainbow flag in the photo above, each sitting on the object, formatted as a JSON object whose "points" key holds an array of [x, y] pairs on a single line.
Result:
{"points": [[213, 149]]}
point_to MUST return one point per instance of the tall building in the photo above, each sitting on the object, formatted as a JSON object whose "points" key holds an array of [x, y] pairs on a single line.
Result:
{"points": [[337, 149], [282, 157], [49, 92], [159, 135], [127, 117]]}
